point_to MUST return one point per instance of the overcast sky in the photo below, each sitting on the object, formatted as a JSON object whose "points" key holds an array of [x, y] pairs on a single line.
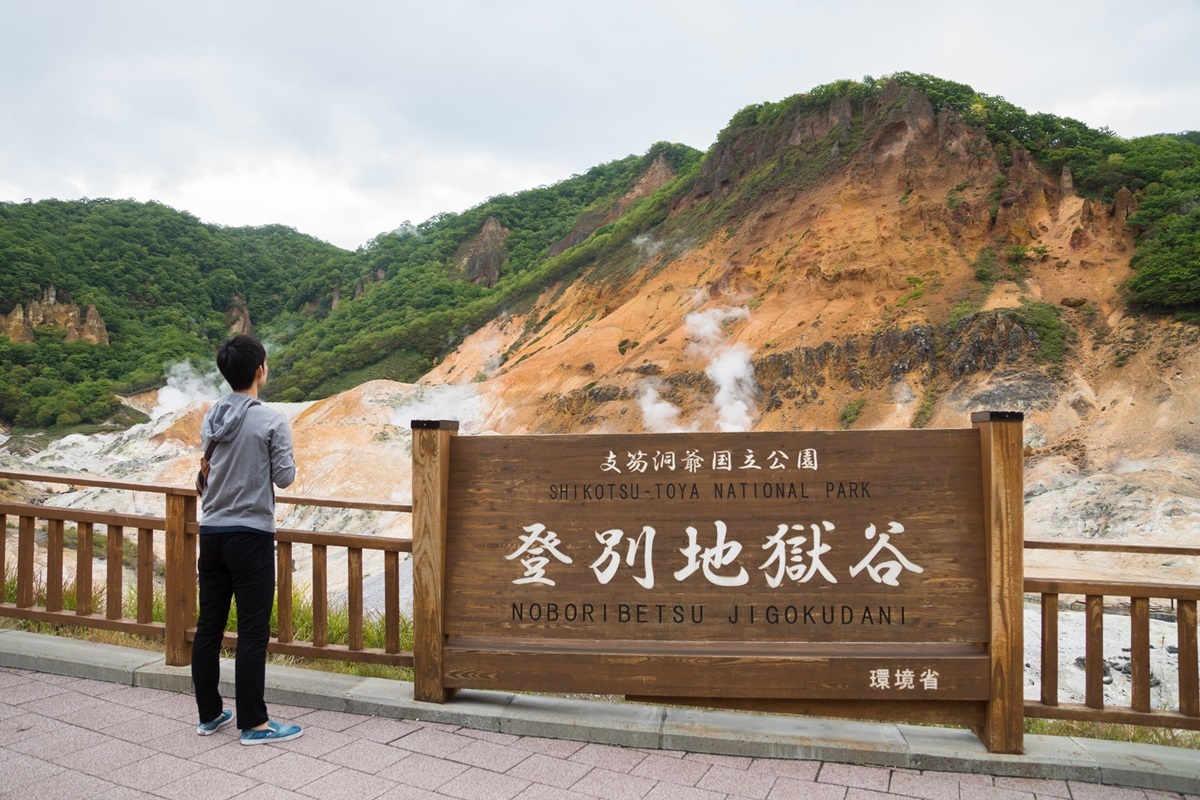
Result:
{"points": [[345, 119]]}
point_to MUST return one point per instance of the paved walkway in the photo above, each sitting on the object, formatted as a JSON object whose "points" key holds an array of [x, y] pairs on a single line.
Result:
{"points": [[75, 737]]}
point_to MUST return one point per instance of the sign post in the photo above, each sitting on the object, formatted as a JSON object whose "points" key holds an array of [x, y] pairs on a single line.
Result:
{"points": [[1001, 443], [864, 574], [431, 461]]}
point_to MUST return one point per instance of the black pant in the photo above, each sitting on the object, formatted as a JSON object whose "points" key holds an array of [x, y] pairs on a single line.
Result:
{"points": [[240, 565]]}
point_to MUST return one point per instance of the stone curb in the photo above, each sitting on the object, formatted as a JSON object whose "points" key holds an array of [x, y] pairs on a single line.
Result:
{"points": [[634, 725]]}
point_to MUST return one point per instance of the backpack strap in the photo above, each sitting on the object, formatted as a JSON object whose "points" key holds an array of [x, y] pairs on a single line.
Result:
{"points": [[201, 478]]}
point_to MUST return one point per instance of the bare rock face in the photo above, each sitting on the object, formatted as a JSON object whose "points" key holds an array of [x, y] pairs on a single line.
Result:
{"points": [[81, 325], [237, 318], [1027, 195], [480, 259], [374, 276], [1066, 182], [13, 325], [93, 327], [1124, 205]]}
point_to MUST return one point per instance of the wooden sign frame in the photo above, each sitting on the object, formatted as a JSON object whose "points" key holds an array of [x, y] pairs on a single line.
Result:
{"points": [[867, 574]]}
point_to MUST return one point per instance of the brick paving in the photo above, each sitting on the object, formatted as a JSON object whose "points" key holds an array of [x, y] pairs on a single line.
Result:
{"points": [[76, 738]]}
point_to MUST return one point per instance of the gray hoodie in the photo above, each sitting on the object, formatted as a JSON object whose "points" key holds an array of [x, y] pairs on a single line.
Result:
{"points": [[254, 450]]}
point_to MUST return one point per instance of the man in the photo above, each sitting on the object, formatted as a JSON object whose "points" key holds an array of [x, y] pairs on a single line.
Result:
{"points": [[248, 447]]}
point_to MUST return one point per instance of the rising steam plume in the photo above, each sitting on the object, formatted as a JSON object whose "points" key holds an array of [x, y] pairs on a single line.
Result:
{"points": [[729, 368]]}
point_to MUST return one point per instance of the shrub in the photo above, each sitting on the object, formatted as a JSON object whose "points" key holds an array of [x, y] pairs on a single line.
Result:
{"points": [[1045, 320], [850, 412]]}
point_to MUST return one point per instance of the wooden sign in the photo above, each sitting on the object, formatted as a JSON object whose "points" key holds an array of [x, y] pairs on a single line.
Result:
{"points": [[798, 537], [793, 566]]}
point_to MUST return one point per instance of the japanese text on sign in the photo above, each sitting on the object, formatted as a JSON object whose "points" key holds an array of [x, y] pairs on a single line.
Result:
{"points": [[787, 557], [692, 461]]}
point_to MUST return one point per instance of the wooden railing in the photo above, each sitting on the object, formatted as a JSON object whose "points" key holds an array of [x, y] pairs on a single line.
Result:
{"points": [[180, 541], [180, 532], [1181, 596]]}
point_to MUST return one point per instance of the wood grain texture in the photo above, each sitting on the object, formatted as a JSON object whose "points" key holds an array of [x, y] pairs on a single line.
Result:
{"points": [[283, 588], [820, 673], [83, 568], [354, 596], [3, 543], [1139, 652], [360, 540], [391, 602], [190, 491], [114, 594], [362, 504], [91, 480], [70, 618], [25, 536], [145, 575], [431, 454], [1050, 649], [80, 515], [181, 579], [1189, 669], [1001, 447], [1075, 712], [1090, 546], [798, 567], [1112, 588], [320, 596], [1094, 652], [927, 482], [54, 565]]}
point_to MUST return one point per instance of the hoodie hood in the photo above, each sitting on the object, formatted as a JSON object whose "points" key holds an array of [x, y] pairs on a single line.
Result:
{"points": [[225, 417]]}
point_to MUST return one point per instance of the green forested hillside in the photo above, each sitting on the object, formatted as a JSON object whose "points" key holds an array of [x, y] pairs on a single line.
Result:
{"points": [[423, 308], [162, 280]]}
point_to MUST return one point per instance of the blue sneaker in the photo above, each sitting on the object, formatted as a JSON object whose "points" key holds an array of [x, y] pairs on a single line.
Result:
{"points": [[212, 726], [274, 732]]}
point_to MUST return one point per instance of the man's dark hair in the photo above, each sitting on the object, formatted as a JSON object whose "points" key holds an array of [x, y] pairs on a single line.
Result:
{"points": [[239, 358]]}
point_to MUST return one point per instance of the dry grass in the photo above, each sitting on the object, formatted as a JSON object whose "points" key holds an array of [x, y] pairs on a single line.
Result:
{"points": [[1170, 737]]}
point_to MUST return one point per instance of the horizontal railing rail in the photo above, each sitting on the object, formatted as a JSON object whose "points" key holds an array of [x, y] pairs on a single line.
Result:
{"points": [[1095, 708], [1091, 546]]}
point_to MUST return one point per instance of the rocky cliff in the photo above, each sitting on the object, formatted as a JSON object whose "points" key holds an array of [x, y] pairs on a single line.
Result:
{"points": [[81, 324], [479, 260]]}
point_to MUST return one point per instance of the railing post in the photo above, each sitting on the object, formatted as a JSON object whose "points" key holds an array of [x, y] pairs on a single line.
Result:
{"points": [[1049, 649], [181, 578], [1189, 672], [431, 500], [114, 594], [83, 568], [25, 562], [1139, 655], [1002, 448], [54, 565], [145, 575]]}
